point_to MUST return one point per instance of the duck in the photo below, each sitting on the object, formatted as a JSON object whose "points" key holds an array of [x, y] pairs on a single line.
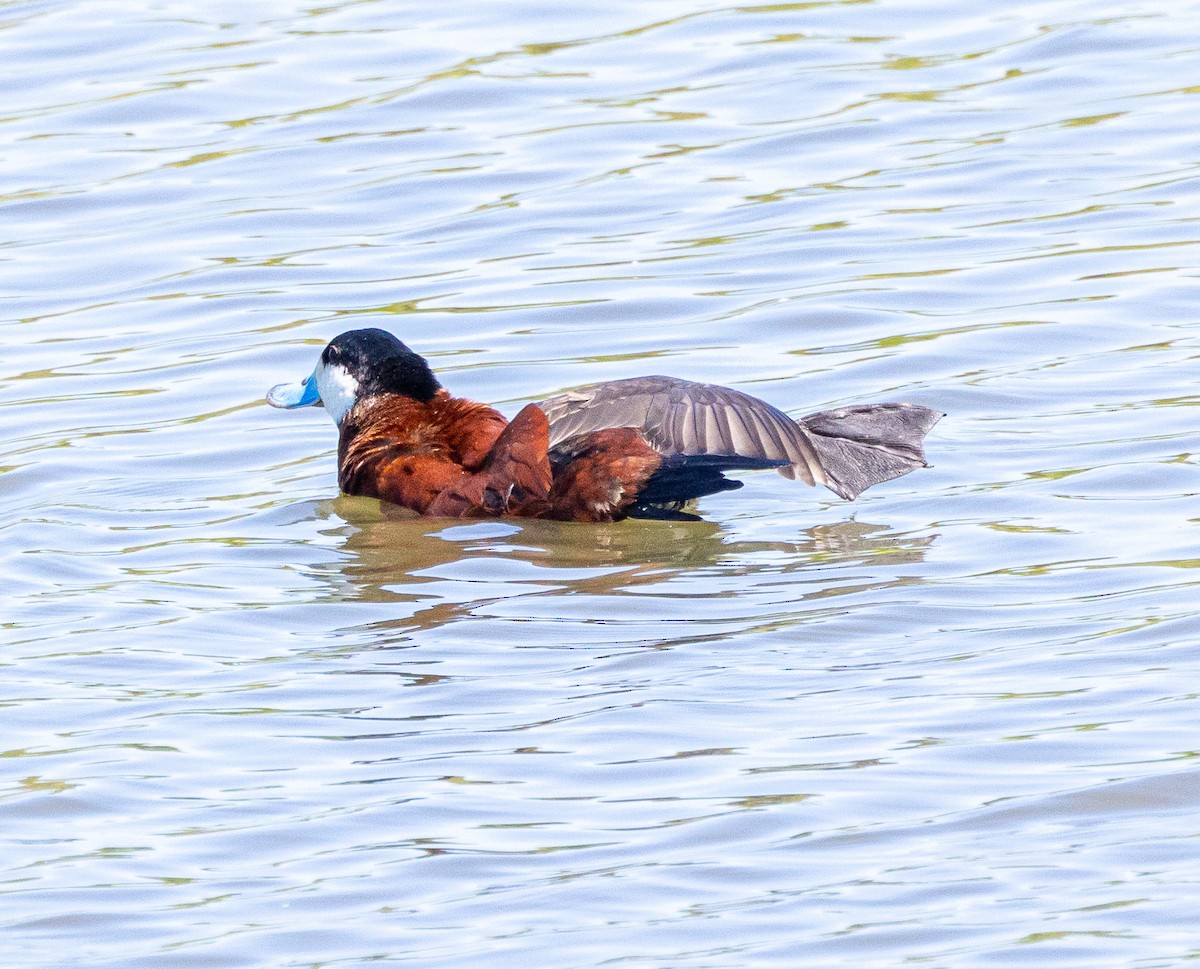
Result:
{"points": [[640, 447]]}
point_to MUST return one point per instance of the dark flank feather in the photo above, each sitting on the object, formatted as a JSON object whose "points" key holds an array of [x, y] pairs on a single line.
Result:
{"points": [[686, 477]]}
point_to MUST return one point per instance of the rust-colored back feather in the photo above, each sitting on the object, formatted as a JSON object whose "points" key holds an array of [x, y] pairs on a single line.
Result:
{"points": [[407, 452], [514, 479], [597, 476]]}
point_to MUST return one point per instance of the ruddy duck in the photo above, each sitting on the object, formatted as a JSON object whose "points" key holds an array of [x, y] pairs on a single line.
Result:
{"points": [[643, 447]]}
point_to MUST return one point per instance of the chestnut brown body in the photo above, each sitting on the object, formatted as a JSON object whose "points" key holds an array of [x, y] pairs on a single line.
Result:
{"points": [[455, 458]]}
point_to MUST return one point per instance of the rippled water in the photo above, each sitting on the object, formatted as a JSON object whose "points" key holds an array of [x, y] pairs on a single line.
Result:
{"points": [[248, 722]]}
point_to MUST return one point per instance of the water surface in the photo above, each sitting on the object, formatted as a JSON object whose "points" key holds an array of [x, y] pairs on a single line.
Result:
{"points": [[249, 722]]}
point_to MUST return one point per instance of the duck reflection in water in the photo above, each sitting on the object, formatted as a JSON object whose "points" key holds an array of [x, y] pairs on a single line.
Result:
{"points": [[434, 574]]}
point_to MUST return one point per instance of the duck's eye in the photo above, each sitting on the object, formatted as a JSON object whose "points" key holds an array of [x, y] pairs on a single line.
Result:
{"points": [[330, 355]]}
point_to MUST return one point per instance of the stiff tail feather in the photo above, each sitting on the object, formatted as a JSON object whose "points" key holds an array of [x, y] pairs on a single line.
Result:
{"points": [[861, 446]]}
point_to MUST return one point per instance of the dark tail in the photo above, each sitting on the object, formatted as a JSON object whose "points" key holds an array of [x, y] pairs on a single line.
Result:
{"points": [[863, 445]]}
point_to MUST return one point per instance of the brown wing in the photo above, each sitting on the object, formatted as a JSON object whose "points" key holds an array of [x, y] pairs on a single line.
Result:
{"points": [[683, 417]]}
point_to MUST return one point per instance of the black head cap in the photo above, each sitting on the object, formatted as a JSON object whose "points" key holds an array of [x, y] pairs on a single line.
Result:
{"points": [[381, 364]]}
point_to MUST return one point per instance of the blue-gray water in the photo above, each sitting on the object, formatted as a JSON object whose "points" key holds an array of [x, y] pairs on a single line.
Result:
{"points": [[247, 722]]}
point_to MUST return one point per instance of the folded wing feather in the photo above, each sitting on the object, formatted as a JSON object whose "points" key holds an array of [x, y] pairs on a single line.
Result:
{"points": [[683, 417], [848, 449]]}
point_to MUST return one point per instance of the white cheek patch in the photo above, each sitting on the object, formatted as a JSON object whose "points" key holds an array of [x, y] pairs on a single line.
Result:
{"points": [[339, 391]]}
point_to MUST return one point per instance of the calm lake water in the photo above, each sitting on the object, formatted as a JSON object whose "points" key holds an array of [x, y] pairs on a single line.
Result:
{"points": [[247, 722]]}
